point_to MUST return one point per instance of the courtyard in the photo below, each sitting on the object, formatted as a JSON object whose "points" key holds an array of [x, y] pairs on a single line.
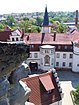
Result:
{"points": [[66, 76], [69, 81]]}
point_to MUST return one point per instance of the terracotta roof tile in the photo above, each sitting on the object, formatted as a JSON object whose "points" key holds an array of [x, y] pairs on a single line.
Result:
{"points": [[61, 38], [47, 82], [38, 94], [4, 35]]}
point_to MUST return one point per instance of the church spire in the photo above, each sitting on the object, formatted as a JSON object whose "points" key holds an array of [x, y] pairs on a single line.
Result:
{"points": [[46, 27], [46, 19]]}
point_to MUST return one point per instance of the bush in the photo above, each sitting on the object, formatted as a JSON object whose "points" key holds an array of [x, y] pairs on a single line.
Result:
{"points": [[76, 95]]}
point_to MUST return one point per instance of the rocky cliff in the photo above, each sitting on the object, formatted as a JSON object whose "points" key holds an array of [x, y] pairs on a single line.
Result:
{"points": [[11, 71]]}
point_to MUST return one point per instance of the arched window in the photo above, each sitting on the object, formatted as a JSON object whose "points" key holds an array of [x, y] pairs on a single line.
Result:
{"points": [[41, 61], [47, 60]]}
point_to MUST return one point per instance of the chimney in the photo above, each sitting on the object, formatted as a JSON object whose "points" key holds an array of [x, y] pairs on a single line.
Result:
{"points": [[42, 38], [76, 18], [54, 36], [22, 33]]}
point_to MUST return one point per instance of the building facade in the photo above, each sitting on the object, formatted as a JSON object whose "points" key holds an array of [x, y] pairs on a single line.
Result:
{"points": [[53, 50]]}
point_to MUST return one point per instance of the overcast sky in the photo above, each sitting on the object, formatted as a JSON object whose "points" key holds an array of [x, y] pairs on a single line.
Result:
{"points": [[24, 6]]}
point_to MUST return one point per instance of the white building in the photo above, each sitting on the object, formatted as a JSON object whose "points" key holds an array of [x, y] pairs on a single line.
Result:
{"points": [[53, 50]]}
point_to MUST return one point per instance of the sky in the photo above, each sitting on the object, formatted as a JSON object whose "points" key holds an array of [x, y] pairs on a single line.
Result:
{"points": [[24, 6]]}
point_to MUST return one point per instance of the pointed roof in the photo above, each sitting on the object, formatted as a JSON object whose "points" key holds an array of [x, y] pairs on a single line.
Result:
{"points": [[46, 19]]}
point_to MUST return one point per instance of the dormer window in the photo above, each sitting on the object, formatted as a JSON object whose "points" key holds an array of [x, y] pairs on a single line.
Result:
{"points": [[49, 92]]}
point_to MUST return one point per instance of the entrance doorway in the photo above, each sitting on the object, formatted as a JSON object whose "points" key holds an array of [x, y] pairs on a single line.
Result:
{"points": [[33, 66]]}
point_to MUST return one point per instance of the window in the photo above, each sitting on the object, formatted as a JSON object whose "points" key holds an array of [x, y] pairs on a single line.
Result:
{"points": [[65, 47], [70, 64], [12, 39], [58, 55], [71, 47], [77, 64], [71, 56], [64, 55], [41, 51], [59, 47], [16, 39], [30, 55], [32, 46], [50, 92], [47, 60], [46, 51], [57, 63], [36, 55], [63, 64], [52, 51]]}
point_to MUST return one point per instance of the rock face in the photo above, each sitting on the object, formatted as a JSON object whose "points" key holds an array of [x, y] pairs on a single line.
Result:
{"points": [[11, 56]]}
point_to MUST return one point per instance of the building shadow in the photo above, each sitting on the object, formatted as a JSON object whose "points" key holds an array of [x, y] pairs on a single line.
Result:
{"points": [[68, 75]]}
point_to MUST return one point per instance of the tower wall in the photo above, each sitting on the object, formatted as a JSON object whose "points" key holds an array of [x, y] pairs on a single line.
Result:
{"points": [[75, 66]]}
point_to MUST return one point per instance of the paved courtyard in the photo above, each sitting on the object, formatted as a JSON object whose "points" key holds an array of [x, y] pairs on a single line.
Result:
{"points": [[69, 80], [69, 76]]}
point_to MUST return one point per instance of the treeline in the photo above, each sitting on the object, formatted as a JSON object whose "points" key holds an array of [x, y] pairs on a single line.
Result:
{"points": [[34, 23], [59, 16]]}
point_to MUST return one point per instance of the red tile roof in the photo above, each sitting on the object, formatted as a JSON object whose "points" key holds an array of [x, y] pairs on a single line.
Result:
{"points": [[36, 38], [39, 95], [47, 82], [61, 38], [4, 35]]}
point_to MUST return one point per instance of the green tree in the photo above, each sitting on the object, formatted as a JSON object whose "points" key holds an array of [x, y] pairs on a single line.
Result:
{"points": [[33, 29], [25, 18], [38, 29], [10, 20], [1, 27], [76, 95], [39, 21], [61, 28], [25, 25]]}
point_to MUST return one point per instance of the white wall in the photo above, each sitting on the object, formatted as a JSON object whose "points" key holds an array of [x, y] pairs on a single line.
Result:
{"points": [[46, 29], [15, 35], [61, 59], [76, 50], [75, 66], [43, 53], [33, 59], [15, 38]]}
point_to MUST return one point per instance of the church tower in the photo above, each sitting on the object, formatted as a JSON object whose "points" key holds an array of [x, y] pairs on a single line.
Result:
{"points": [[46, 27]]}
